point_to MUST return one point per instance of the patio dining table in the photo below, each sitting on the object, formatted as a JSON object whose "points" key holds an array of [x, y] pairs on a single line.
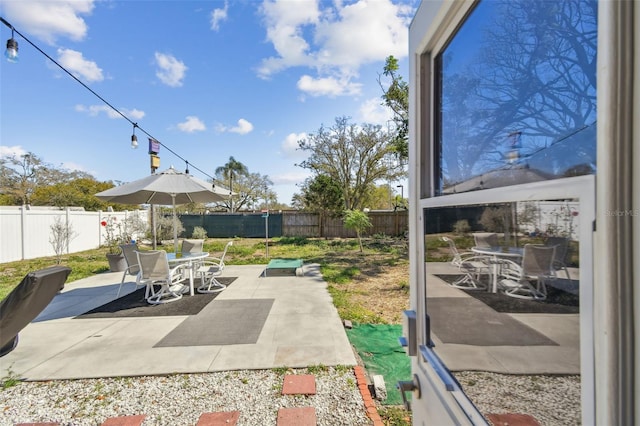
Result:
{"points": [[497, 254], [191, 259]]}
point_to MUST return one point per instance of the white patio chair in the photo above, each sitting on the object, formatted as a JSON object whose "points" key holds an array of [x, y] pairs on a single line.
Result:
{"points": [[528, 280], [155, 272], [130, 256], [471, 265], [192, 246], [209, 270], [562, 250]]}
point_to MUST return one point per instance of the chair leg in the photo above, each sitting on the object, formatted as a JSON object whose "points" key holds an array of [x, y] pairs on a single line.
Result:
{"points": [[214, 286], [524, 290], [468, 282]]}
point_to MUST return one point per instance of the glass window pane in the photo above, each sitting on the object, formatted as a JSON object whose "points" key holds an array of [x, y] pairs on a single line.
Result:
{"points": [[517, 95], [505, 318]]}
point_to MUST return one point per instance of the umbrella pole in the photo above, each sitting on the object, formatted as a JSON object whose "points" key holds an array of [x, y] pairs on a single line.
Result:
{"points": [[153, 227], [175, 225]]}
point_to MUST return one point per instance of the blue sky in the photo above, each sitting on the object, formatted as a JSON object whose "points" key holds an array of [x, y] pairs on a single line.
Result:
{"points": [[208, 79]]}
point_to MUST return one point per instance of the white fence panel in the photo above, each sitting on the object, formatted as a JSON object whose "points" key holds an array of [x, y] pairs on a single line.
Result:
{"points": [[26, 233], [37, 230], [10, 235]]}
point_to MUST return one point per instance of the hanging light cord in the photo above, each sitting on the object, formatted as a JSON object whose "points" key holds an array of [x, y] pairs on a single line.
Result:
{"points": [[101, 98]]}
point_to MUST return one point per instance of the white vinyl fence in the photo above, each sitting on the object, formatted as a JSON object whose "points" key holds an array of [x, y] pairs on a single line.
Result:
{"points": [[25, 233]]}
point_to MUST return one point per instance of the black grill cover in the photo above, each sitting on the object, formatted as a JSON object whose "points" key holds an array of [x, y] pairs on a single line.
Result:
{"points": [[26, 301]]}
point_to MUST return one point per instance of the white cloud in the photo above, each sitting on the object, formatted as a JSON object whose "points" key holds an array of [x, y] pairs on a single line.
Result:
{"points": [[328, 86], [335, 40], [291, 177], [77, 65], [371, 111], [95, 110], [8, 151], [68, 165], [171, 70], [47, 20], [192, 124], [242, 128], [218, 16], [135, 114], [290, 144]]}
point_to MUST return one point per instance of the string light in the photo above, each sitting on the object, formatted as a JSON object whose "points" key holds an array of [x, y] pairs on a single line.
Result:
{"points": [[134, 138], [12, 53]]}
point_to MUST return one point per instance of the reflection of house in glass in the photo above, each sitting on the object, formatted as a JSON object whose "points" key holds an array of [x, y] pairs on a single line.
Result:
{"points": [[573, 155]]}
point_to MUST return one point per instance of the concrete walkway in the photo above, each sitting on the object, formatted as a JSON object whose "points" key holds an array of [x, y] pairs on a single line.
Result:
{"points": [[302, 329]]}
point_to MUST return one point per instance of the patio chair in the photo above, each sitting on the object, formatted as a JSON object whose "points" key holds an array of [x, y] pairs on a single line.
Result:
{"points": [[192, 246], [471, 265], [130, 256], [562, 251], [486, 239], [528, 279], [26, 301], [155, 272], [209, 270]]}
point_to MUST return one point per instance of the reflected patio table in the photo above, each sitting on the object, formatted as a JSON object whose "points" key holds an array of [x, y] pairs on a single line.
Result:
{"points": [[513, 253]]}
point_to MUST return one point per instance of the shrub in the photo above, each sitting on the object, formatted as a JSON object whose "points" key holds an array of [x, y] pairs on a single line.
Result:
{"points": [[199, 233], [461, 227]]}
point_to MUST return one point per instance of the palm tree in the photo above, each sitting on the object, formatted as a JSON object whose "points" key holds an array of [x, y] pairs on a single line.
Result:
{"points": [[230, 171]]}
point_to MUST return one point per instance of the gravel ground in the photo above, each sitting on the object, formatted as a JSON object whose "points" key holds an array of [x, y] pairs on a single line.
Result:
{"points": [[552, 400], [180, 399]]}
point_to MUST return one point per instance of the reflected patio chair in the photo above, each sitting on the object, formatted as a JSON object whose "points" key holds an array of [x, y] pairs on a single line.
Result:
{"points": [[486, 239], [562, 251], [528, 279], [164, 284], [129, 252], [209, 270], [471, 265]]}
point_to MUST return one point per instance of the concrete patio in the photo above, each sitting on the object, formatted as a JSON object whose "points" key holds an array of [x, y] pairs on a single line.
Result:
{"points": [[302, 329]]}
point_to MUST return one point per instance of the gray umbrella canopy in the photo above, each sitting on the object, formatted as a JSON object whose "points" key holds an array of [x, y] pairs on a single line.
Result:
{"points": [[167, 188]]}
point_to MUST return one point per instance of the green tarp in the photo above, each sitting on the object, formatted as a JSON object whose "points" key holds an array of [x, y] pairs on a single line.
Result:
{"points": [[378, 347]]}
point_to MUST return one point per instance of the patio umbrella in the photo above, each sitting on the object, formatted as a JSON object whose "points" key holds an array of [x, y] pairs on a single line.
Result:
{"points": [[168, 187]]}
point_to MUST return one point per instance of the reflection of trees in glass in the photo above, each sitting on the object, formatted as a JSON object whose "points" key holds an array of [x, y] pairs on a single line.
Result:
{"points": [[528, 217], [496, 219], [519, 76]]}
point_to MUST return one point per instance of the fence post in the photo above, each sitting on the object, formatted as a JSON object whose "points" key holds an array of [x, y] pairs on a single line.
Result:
{"points": [[23, 230], [67, 224]]}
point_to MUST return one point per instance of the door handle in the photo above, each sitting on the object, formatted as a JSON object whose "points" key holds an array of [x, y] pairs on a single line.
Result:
{"points": [[409, 386]]}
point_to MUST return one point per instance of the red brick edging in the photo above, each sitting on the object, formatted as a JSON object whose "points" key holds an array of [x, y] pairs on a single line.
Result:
{"points": [[369, 405]]}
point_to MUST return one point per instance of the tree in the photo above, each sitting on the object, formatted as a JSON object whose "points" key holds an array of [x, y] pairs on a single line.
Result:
{"points": [[358, 221], [323, 195], [396, 97], [20, 176], [252, 191], [355, 157], [61, 235], [230, 171]]}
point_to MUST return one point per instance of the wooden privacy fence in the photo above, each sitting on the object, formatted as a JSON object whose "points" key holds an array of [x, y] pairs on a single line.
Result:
{"points": [[298, 224]]}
